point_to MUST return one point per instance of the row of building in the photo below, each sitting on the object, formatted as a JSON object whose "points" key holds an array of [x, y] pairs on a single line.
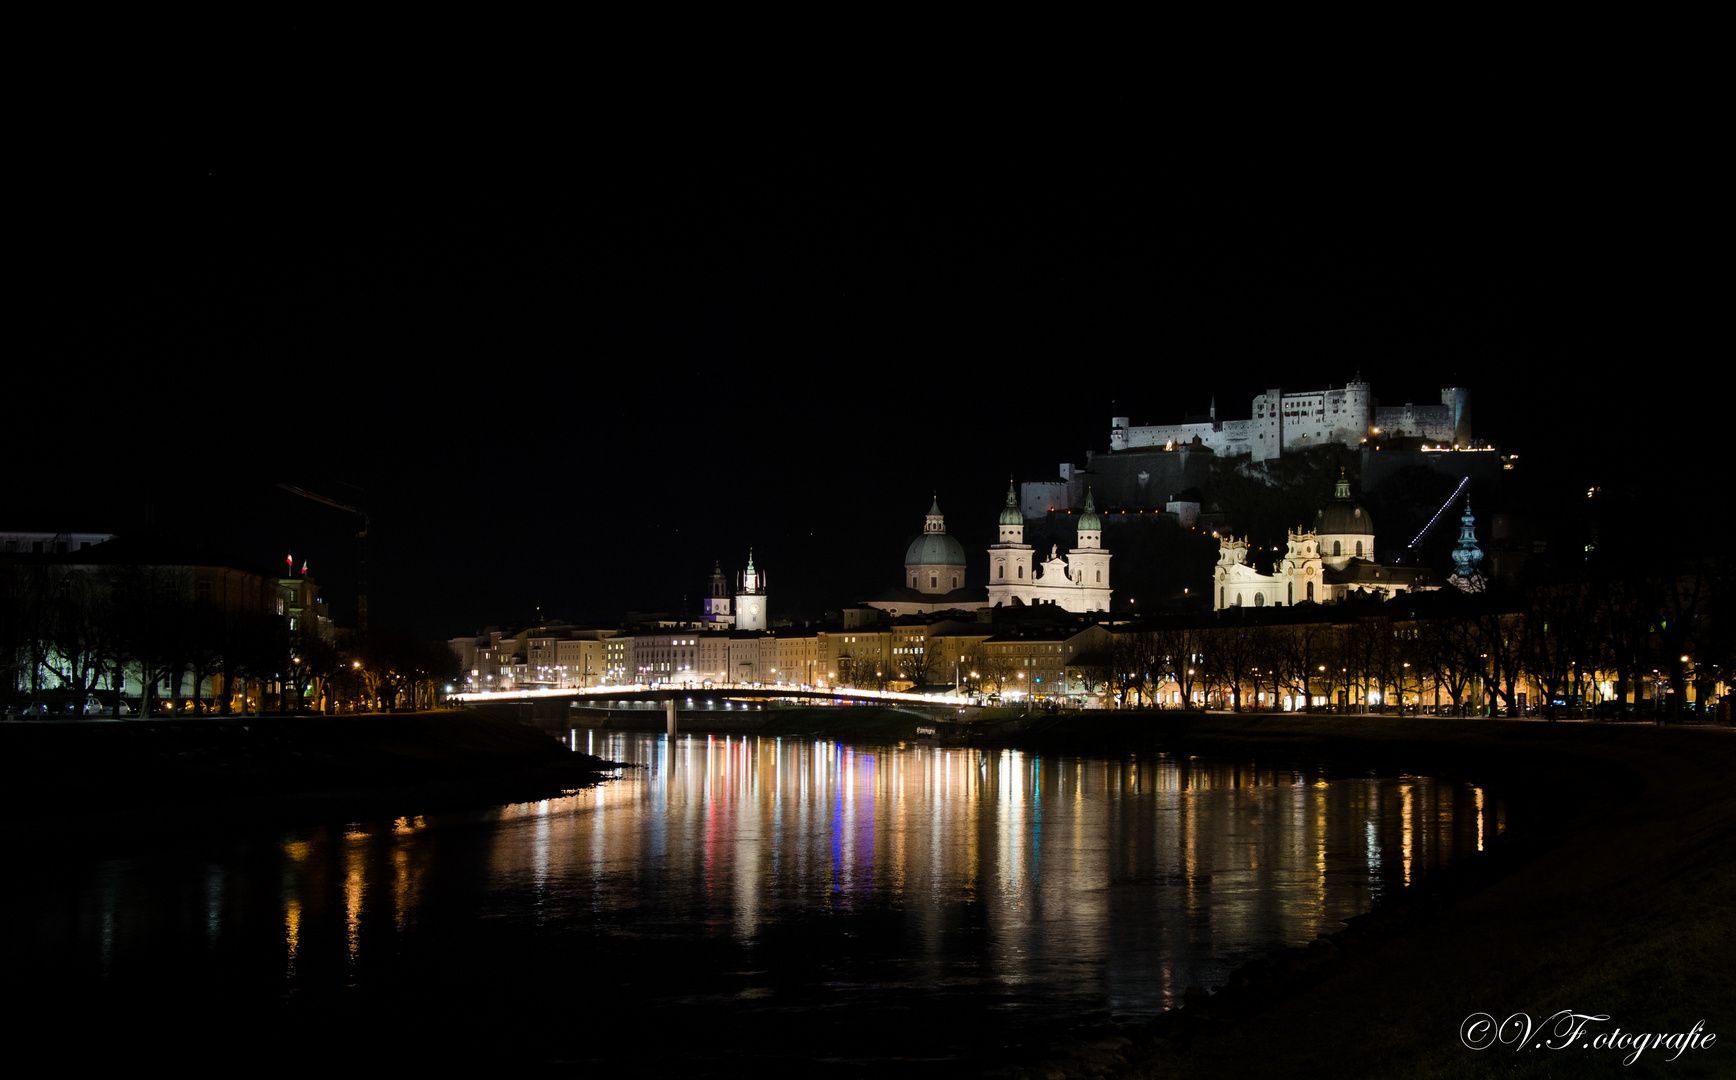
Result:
{"points": [[933, 630], [973, 656]]}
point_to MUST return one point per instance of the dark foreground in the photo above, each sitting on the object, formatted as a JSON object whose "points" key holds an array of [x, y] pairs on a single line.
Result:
{"points": [[137, 781]]}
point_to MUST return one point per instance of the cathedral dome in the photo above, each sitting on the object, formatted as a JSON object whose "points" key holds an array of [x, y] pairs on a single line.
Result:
{"points": [[1343, 515], [934, 549]]}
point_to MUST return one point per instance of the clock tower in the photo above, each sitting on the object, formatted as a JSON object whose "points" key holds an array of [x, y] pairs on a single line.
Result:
{"points": [[750, 598]]}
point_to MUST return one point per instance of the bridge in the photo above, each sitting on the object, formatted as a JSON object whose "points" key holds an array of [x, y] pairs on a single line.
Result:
{"points": [[670, 693]]}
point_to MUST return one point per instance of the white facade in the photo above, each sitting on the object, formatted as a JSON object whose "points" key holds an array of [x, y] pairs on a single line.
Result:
{"points": [[750, 599], [1299, 576], [1079, 582], [1283, 421], [1321, 565]]}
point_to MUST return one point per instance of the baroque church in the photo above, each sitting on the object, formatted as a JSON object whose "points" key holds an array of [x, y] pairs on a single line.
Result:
{"points": [[1079, 582], [934, 569], [747, 610], [933, 574], [1321, 565]]}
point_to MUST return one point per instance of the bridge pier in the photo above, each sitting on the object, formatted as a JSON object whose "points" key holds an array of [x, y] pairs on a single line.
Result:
{"points": [[669, 714]]}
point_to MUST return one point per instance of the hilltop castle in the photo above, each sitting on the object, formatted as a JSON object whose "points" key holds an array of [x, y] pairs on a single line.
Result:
{"points": [[1285, 421]]}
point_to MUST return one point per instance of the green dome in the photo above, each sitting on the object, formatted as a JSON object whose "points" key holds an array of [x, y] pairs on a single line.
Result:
{"points": [[1012, 515], [934, 549], [1089, 519]]}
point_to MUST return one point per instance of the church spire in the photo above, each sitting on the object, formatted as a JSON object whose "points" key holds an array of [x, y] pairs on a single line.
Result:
{"points": [[1090, 525], [1011, 514], [1467, 554]]}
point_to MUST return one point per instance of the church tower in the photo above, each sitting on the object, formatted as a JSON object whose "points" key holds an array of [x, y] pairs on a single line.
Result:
{"points": [[750, 598], [1010, 572], [1088, 564], [1467, 553], [717, 598]]}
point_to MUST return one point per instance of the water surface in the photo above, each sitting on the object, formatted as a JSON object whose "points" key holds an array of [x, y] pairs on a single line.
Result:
{"points": [[784, 905]]}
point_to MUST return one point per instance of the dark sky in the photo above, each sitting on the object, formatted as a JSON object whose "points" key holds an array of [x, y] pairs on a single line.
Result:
{"points": [[577, 386]]}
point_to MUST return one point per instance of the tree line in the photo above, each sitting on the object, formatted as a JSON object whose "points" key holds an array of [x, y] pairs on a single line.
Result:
{"points": [[1564, 641], [70, 633]]}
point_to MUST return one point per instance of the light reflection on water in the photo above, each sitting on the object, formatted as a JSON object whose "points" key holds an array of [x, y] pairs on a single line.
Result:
{"points": [[952, 896]]}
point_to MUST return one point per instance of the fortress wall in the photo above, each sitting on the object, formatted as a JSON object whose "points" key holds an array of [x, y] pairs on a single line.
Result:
{"points": [[1159, 435], [1302, 420], [1380, 466], [1425, 421], [1139, 479], [1039, 497]]}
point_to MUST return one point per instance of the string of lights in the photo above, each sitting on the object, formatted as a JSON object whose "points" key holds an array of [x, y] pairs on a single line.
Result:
{"points": [[1451, 499]]}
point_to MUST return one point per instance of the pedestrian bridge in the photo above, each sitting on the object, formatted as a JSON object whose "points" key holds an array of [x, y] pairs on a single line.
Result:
{"points": [[672, 694], [696, 692]]}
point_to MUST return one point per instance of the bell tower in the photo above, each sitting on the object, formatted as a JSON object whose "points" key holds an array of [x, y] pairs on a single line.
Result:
{"points": [[750, 598], [717, 598], [1088, 564], [1011, 572]]}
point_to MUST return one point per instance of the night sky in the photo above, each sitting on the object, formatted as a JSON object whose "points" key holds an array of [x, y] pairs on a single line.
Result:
{"points": [[578, 386]]}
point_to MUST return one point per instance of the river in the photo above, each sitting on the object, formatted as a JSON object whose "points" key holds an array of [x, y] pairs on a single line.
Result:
{"points": [[780, 905]]}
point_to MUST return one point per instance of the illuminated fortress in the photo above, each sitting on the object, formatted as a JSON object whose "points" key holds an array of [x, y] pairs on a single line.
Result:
{"points": [[1285, 421]]}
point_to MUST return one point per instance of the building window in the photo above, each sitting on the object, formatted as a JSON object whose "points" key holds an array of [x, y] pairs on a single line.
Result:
{"points": [[1021, 571]]}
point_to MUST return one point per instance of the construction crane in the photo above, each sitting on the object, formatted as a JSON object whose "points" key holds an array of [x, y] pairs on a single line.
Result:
{"points": [[361, 546]]}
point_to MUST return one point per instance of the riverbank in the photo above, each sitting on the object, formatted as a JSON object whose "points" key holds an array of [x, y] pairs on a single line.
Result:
{"points": [[116, 782], [1613, 893]]}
